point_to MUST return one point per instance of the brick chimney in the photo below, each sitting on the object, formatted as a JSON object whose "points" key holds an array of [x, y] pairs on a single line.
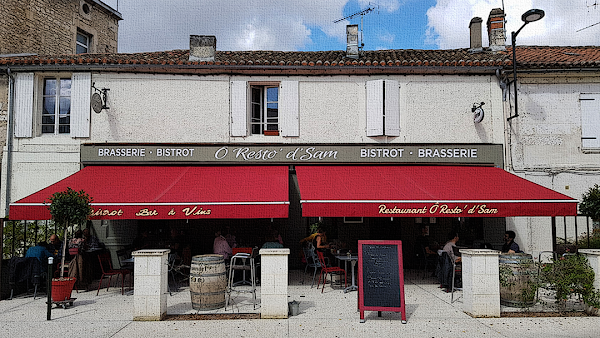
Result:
{"points": [[203, 47], [352, 41], [475, 30], [495, 27]]}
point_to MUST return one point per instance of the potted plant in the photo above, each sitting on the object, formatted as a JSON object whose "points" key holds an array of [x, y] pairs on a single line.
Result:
{"points": [[590, 204], [67, 208]]}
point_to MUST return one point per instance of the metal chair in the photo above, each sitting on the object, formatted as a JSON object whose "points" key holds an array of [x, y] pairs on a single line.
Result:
{"points": [[108, 271], [178, 271], [245, 262], [329, 270], [312, 261]]}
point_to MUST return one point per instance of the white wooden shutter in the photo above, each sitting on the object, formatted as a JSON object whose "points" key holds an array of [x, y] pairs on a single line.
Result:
{"points": [[24, 83], [590, 120], [375, 108], [392, 108], [289, 118], [239, 110], [81, 92]]}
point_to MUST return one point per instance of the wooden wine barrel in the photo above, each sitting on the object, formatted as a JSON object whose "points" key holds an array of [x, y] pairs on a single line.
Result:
{"points": [[208, 282], [520, 272]]}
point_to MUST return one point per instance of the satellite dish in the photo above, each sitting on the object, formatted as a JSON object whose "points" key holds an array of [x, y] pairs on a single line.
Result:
{"points": [[97, 103]]}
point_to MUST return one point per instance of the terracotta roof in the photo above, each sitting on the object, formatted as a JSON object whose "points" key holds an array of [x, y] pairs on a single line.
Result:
{"points": [[400, 57], [553, 57], [548, 57]]}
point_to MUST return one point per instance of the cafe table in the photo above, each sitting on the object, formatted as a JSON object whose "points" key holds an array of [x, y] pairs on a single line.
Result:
{"points": [[353, 259]]}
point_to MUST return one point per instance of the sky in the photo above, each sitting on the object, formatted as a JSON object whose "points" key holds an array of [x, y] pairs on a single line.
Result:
{"points": [[309, 25]]}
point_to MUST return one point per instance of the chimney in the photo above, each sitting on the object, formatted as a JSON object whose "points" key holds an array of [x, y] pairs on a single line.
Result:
{"points": [[495, 26], [475, 29], [203, 47], [352, 41]]}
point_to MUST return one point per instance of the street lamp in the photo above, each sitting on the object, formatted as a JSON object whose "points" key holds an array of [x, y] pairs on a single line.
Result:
{"points": [[527, 17]]}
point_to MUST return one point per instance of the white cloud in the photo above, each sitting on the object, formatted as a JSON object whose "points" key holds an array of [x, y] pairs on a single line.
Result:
{"points": [[558, 27], [238, 25]]}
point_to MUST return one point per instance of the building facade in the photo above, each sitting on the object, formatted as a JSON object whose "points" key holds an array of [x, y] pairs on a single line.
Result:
{"points": [[46, 27], [375, 145]]}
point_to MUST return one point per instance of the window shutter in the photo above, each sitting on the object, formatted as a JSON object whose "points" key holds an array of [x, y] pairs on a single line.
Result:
{"points": [[289, 109], [375, 108], [239, 111], [590, 120], [392, 108], [24, 104], [81, 92]]}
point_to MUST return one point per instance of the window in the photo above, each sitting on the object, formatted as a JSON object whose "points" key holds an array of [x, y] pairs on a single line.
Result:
{"points": [[56, 106], [82, 43], [265, 110], [590, 120]]}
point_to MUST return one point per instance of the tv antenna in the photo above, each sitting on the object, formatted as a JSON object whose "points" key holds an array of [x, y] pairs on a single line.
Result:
{"points": [[362, 15]]}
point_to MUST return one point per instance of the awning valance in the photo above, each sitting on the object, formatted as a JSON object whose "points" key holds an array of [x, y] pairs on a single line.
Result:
{"points": [[424, 191], [161, 192]]}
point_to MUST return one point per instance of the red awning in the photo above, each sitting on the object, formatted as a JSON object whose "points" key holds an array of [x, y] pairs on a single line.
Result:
{"points": [[139, 192], [424, 191]]}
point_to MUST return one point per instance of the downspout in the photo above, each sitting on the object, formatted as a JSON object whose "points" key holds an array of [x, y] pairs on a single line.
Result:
{"points": [[9, 138]]}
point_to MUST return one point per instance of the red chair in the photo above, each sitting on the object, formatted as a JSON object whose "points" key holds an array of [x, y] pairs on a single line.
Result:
{"points": [[108, 271], [329, 270]]}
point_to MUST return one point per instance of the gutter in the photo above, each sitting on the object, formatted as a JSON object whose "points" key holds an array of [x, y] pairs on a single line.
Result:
{"points": [[261, 70], [9, 138]]}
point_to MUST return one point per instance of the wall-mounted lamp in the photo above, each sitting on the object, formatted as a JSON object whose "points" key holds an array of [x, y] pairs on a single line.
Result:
{"points": [[99, 99], [477, 112], [527, 17]]}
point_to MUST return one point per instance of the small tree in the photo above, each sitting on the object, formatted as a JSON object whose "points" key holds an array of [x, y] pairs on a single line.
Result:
{"points": [[67, 208], [590, 203]]}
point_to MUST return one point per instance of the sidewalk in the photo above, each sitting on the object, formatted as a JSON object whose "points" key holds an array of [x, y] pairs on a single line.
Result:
{"points": [[329, 314]]}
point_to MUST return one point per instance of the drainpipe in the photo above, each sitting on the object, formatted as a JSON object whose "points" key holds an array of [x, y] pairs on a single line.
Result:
{"points": [[9, 137]]}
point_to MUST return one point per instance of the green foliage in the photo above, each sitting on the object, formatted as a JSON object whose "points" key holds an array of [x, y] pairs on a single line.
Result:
{"points": [[570, 275], [70, 207], [594, 242], [313, 227], [18, 236], [590, 203]]}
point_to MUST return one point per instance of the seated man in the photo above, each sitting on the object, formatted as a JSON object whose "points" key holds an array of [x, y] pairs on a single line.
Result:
{"points": [[220, 246], [40, 252]]}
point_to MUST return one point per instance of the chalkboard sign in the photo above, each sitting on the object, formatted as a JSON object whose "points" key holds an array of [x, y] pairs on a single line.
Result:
{"points": [[380, 277]]}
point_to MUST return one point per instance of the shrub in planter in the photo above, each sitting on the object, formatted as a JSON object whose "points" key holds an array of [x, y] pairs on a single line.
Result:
{"points": [[590, 203], [570, 275]]}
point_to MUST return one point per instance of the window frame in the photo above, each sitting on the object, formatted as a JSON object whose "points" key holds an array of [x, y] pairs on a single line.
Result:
{"points": [[267, 125], [66, 127], [86, 46]]}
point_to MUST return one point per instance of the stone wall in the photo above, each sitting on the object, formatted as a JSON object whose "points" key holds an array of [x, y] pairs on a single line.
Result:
{"points": [[50, 27]]}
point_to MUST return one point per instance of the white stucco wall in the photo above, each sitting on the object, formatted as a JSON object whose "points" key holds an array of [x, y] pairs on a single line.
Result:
{"points": [[546, 148], [196, 109]]}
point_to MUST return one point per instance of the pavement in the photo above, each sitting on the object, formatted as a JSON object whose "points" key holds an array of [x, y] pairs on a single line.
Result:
{"points": [[333, 313]]}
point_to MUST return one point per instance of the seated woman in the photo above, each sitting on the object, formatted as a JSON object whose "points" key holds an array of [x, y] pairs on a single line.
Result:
{"points": [[320, 243]]}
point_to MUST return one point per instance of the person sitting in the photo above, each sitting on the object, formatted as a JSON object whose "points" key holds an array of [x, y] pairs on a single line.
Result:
{"points": [[509, 243], [55, 246], [272, 241], [220, 246], [142, 241], [91, 242], [40, 252], [320, 243], [450, 245]]}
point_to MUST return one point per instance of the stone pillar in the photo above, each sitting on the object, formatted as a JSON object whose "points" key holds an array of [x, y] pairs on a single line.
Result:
{"points": [[481, 283], [274, 283], [593, 256], [151, 284]]}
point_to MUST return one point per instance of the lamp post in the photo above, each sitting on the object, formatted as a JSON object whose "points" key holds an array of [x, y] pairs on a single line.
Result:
{"points": [[527, 17]]}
